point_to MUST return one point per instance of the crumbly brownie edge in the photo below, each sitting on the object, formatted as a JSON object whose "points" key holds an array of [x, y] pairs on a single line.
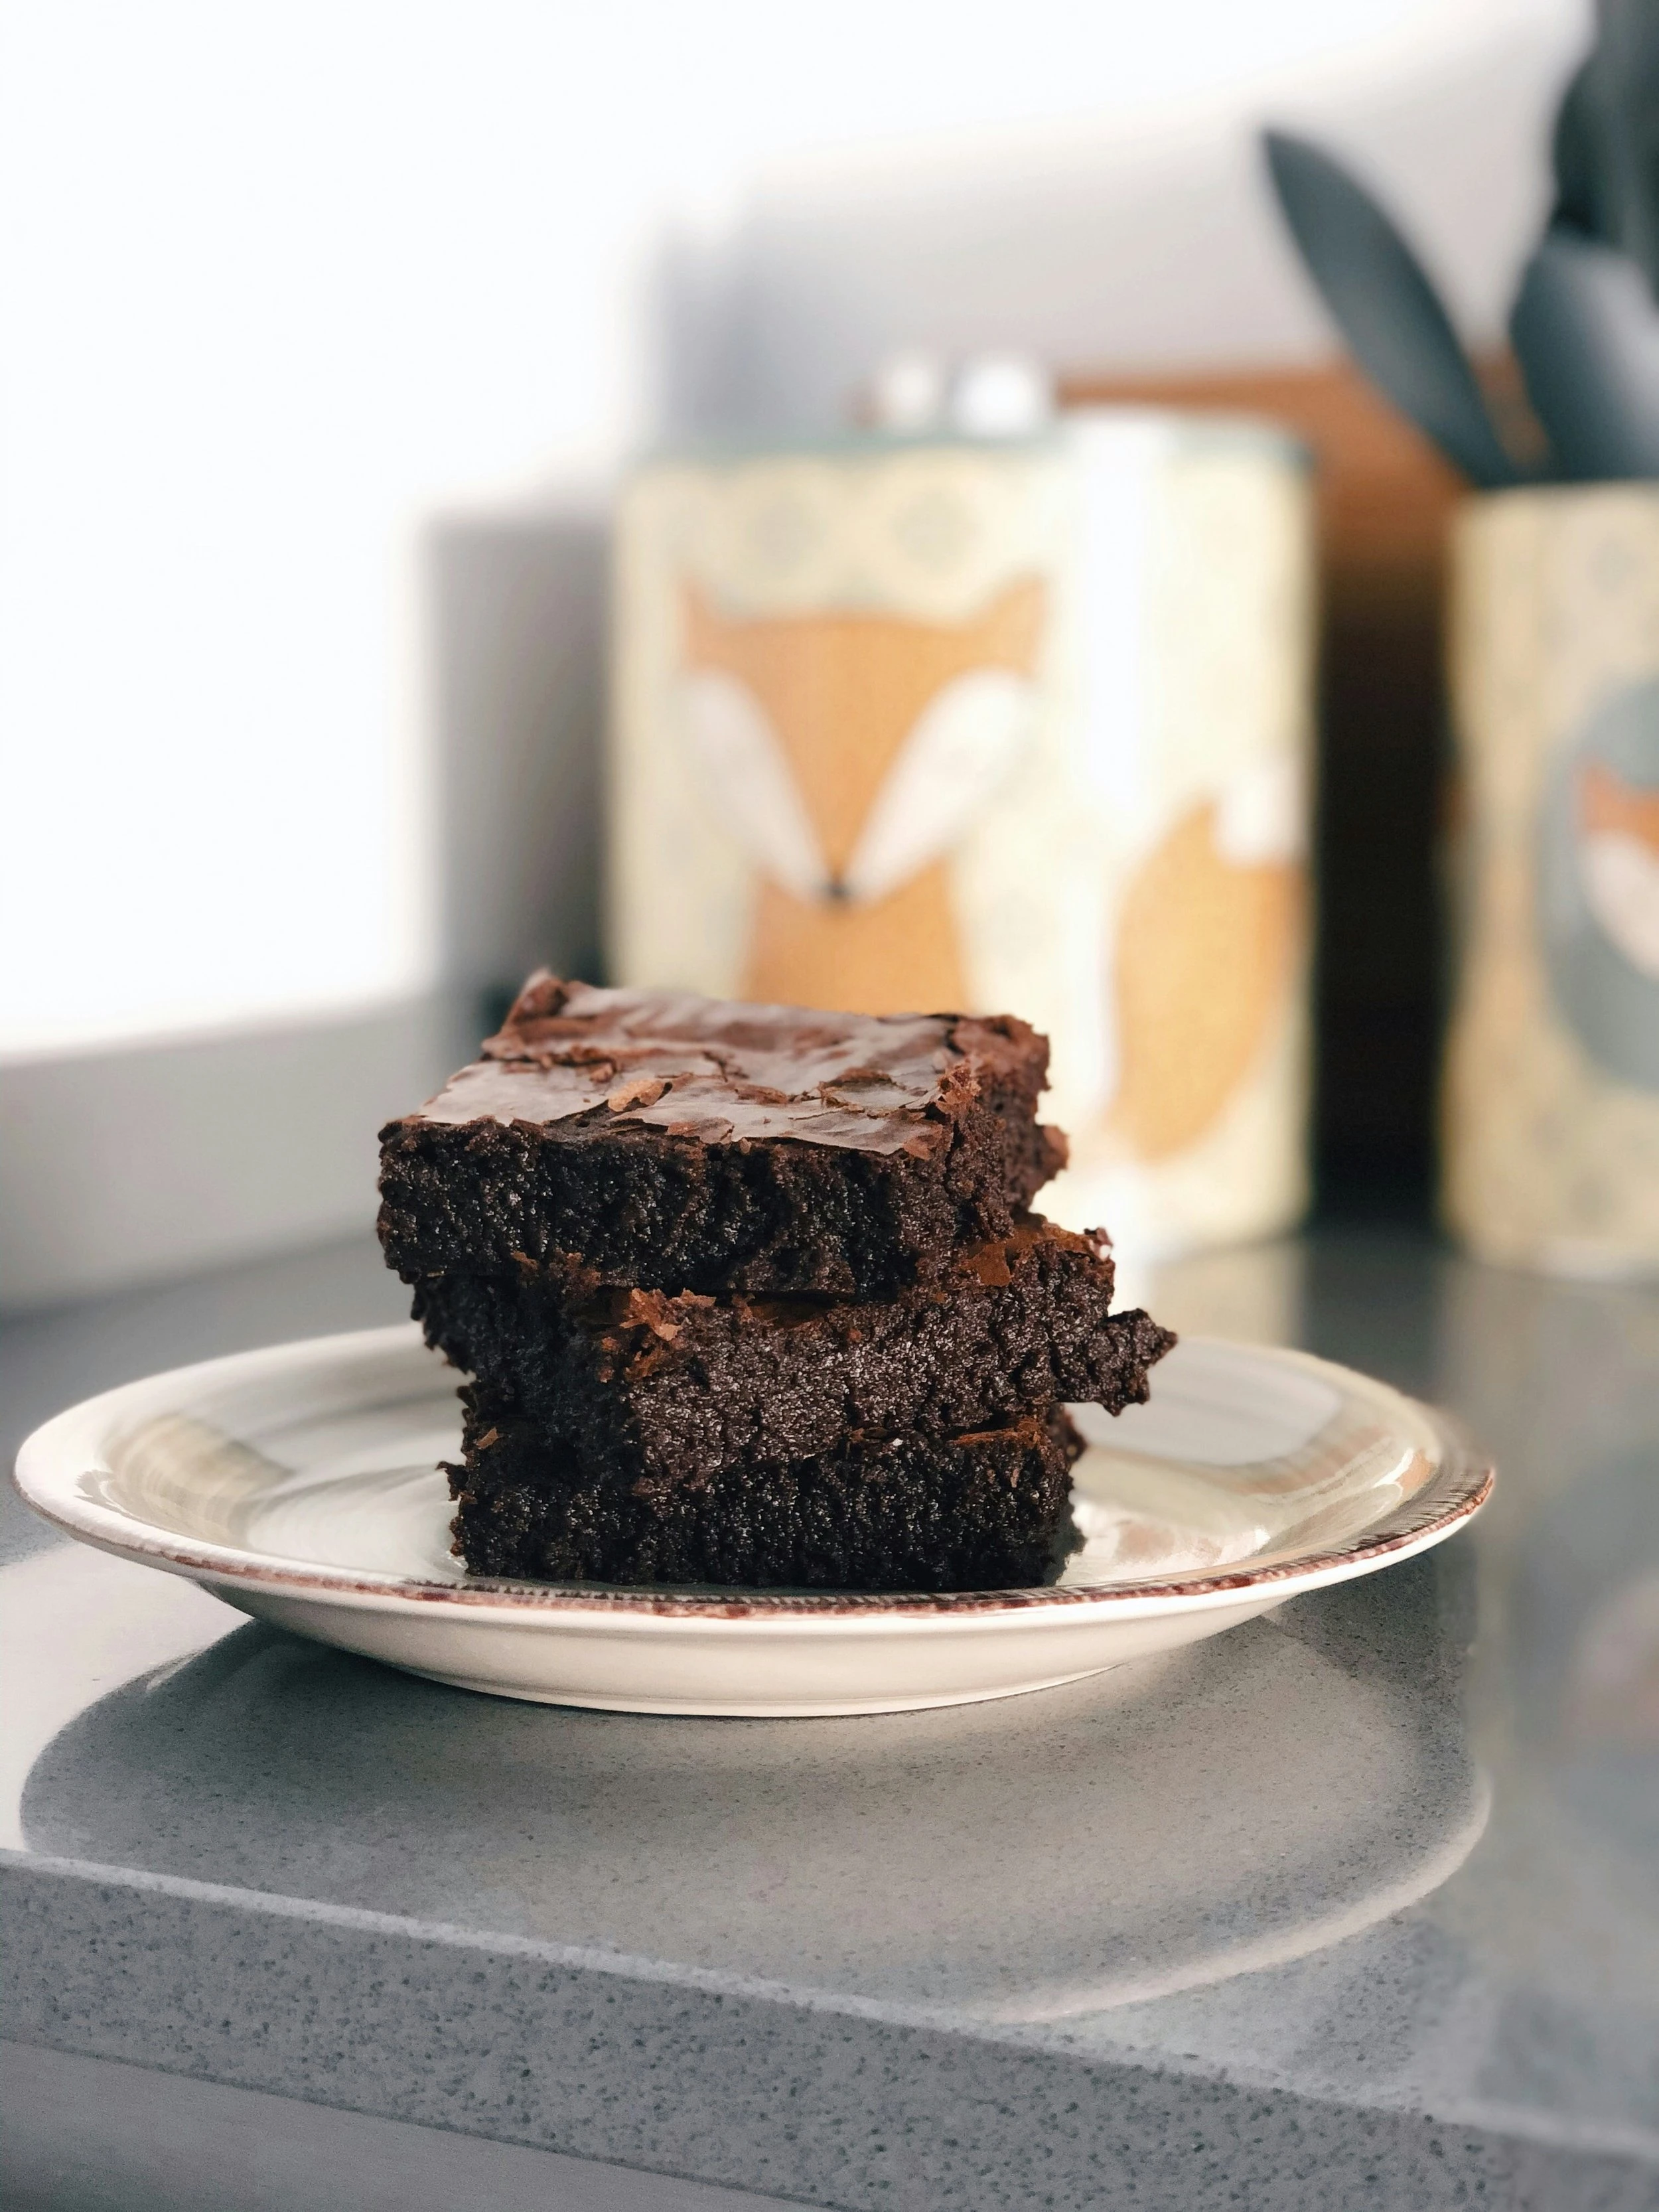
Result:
{"points": [[678, 1389], [668, 1433], [982, 1512], [673, 1212]]}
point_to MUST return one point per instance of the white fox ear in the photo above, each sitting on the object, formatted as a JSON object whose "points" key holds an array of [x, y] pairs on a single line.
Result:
{"points": [[960, 749], [748, 781]]}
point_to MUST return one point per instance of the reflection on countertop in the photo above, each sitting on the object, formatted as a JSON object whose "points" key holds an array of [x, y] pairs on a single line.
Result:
{"points": [[1027, 1860], [1395, 1846]]}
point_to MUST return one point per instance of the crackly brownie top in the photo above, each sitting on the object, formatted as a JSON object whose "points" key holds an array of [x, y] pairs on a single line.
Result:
{"points": [[722, 1071]]}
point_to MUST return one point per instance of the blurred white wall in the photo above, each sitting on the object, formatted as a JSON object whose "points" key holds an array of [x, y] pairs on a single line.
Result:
{"points": [[326, 325], [278, 281], [1140, 235]]}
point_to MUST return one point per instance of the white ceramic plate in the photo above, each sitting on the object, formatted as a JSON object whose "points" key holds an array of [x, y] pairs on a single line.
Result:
{"points": [[301, 1484]]}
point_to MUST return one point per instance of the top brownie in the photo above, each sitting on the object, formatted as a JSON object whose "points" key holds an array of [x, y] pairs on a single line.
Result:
{"points": [[672, 1142]]}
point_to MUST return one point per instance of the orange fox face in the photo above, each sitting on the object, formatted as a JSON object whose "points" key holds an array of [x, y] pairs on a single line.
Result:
{"points": [[849, 752], [1610, 807]]}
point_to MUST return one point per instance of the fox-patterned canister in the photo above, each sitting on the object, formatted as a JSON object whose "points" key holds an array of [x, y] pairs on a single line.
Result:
{"points": [[1551, 1106], [1021, 725]]}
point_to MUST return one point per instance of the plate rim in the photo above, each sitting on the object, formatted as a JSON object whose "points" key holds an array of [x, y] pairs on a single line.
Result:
{"points": [[52, 1464]]}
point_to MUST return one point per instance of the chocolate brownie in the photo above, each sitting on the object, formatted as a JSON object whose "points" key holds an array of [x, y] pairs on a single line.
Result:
{"points": [[916, 1513], [640, 1384], [670, 1142]]}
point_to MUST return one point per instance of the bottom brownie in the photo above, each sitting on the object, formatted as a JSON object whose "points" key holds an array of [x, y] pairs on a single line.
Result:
{"points": [[988, 1511]]}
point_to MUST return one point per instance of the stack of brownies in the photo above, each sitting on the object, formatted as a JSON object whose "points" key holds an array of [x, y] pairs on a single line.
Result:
{"points": [[749, 1295]]}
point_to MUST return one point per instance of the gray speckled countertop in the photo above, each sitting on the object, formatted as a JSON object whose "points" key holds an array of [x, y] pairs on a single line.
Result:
{"points": [[1357, 1903]]}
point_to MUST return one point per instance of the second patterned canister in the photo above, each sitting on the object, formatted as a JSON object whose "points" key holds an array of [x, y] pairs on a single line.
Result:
{"points": [[1016, 725], [1551, 1106]]}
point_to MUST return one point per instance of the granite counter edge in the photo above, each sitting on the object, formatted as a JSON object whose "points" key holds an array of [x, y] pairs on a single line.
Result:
{"points": [[680, 2072]]}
